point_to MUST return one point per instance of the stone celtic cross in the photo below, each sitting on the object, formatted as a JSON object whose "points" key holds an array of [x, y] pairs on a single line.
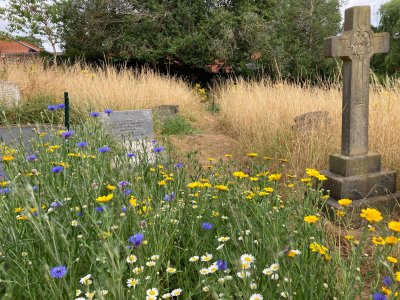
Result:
{"points": [[355, 46]]}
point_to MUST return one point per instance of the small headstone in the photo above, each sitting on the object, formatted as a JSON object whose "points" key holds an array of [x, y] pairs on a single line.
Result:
{"points": [[311, 120], [135, 129], [166, 111], [130, 124], [10, 94]]}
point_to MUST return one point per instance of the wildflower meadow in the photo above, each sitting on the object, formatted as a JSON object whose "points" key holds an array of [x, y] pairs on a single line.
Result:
{"points": [[82, 217]]}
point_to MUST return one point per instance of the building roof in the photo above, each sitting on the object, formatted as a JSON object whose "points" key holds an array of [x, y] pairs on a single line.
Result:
{"points": [[10, 46]]}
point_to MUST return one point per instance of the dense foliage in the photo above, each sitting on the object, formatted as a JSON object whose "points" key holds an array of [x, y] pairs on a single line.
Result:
{"points": [[281, 37]]}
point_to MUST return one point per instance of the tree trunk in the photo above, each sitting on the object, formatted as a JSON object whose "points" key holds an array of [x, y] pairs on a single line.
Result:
{"points": [[54, 54]]}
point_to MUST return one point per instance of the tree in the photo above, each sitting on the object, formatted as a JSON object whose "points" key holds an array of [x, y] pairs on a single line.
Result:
{"points": [[35, 17], [390, 22], [287, 36]]}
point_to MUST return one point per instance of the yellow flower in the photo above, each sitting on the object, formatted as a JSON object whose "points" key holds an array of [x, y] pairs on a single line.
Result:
{"points": [[378, 240], [345, 202], [312, 172], [18, 209], [340, 213], [193, 185], [21, 217], [240, 174], [162, 183], [110, 187], [349, 237], [104, 198], [252, 154], [4, 183], [311, 219], [371, 215], [397, 276], [274, 177], [253, 178], [391, 259], [7, 158], [386, 290], [391, 240], [221, 187], [133, 201], [268, 158], [228, 155], [394, 225], [305, 179]]}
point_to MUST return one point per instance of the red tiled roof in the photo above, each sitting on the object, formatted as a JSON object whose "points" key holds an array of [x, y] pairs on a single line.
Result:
{"points": [[17, 47]]}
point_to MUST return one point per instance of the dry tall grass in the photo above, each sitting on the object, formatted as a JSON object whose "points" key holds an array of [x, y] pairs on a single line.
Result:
{"points": [[261, 116], [100, 88]]}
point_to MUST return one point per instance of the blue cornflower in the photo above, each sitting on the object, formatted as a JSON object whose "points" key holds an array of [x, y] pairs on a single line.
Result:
{"points": [[79, 213], [179, 165], [122, 184], [82, 144], [169, 197], [123, 209], [136, 239], [104, 149], [153, 141], [35, 188], [5, 191], [108, 111], [57, 169], [94, 114], [58, 272], [207, 226], [99, 208], [387, 280], [52, 107], [130, 155], [60, 106], [31, 157], [56, 204], [126, 192], [67, 134], [158, 149], [222, 265], [379, 296]]}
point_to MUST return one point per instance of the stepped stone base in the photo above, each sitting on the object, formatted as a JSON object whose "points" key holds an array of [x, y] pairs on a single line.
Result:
{"points": [[360, 186], [387, 204], [355, 165]]}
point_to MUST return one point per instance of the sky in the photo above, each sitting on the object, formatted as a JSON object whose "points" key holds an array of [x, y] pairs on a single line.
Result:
{"points": [[375, 5]]}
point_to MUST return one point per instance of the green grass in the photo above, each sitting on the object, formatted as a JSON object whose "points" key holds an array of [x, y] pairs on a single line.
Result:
{"points": [[52, 219], [176, 125]]}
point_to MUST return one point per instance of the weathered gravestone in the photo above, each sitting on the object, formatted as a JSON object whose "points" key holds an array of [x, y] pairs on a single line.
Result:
{"points": [[22, 136], [356, 173], [10, 94], [135, 129]]}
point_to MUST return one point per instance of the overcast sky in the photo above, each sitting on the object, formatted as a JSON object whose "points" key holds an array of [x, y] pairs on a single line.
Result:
{"points": [[375, 5]]}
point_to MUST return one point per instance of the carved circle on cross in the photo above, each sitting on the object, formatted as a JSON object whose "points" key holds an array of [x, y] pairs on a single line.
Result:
{"points": [[361, 43]]}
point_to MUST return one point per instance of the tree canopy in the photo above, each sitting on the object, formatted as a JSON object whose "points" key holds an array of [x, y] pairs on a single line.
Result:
{"points": [[284, 37]]}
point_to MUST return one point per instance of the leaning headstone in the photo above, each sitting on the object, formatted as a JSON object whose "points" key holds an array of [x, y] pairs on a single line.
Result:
{"points": [[135, 129], [356, 173], [22, 136], [10, 94], [166, 111], [311, 120]]}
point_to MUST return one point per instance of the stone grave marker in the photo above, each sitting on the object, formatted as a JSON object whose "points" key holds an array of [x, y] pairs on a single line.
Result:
{"points": [[356, 173], [10, 94], [135, 129], [13, 136]]}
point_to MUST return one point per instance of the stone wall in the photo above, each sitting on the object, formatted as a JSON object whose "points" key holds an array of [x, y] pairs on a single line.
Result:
{"points": [[9, 93]]}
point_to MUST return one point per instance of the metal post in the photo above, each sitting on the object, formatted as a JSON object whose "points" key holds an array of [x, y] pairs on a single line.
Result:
{"points": [[66, 110]]}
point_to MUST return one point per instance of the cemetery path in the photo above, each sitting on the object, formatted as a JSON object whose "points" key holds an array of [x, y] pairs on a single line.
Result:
{"points": [[210, 141]]}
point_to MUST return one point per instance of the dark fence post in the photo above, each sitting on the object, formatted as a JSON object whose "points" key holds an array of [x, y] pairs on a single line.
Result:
{"points": [[66, 110]]}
